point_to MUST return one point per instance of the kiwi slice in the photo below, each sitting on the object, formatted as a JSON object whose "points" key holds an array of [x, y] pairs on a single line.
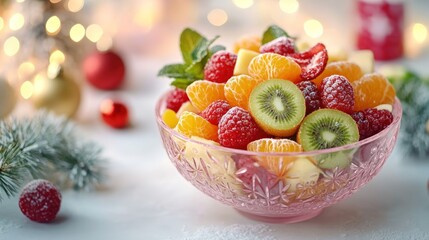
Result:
{"points": [[278, 107], [329, 128]]}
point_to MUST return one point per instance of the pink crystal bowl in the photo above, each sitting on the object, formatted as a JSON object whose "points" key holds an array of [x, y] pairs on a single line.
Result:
{"points": [[290, 197]]}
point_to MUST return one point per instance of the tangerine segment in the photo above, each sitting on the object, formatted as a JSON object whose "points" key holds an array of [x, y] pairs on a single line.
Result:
{"points": [[278, 165], [252, 42], [350, 70], [193, 125], [372, 90], [201, 93], [271, 65], [238, 89], [170, 118]]}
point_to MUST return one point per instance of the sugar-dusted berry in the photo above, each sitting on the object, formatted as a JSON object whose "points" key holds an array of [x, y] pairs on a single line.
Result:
{"points": [[40, 201], [176, 98], [311, 95], [282, 45], [337, 93], [312, 62], [220, 67], [237, 128], [214, 112]]}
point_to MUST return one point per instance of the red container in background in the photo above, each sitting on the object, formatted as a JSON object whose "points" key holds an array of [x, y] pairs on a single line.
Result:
{"points": [[381, 28]]}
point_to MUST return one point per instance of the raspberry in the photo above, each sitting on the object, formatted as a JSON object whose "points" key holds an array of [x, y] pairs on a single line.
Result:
{"points": [[237, 128], [282, 45], [220, 67], [214, 112], [372, 121], [40, 201], [311, 95], [337, 93], [312, 62], [253, 175], [176, 98]]}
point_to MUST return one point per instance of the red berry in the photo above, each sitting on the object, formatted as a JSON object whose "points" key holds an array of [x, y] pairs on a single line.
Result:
{"points": [[372, 121], [312, 62], [214, 112], [237, 128], [282, 45], [40, 201], [220, 67], [337, 93], [114, 114], [176, 98], [253, 176], [311, 95]]}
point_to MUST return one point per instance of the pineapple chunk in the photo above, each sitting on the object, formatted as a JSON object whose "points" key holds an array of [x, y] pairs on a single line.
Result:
{"points": [[387, 107], [363, 58], [338, 54], [244, 57], [187, 106], [304, 172]]}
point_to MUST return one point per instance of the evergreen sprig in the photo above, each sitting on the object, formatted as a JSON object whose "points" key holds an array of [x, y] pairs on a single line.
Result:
{"points": [[46, 146]]}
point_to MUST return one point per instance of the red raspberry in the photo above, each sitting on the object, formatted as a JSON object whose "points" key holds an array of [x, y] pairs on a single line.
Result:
{"points": [[214, 112], [282, 45], [253, 175], [40, 201], [372, 121], [176, 98], [220, 67], [337, 93], [237, 128], [312, 62], [311, 95]]}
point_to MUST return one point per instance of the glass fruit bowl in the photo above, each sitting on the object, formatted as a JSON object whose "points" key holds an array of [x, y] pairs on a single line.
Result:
{"points": [[278, 187]]}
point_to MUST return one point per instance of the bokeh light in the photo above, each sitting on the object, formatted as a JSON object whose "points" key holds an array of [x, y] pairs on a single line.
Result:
{"points": [[75, 5], [25, 69], [217, 17], [94, 32], [77, 32], [313, 28], [243, 3], [11, 46], [16, 22], [55, 1], [289, 6], [27, 89], [1, 23], [53, 25], [420, 32], [104, 44], [57, 57]]}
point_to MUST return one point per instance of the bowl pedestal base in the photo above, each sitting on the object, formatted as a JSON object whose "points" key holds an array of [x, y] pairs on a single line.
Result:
{"points": [[288, 219]]}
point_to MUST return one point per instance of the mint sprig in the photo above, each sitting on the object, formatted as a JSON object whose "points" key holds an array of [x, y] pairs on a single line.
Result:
{"points": [[196, 51], [272, 33]]}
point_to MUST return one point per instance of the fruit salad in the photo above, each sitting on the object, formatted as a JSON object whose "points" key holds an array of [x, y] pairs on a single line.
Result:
{"points": [[266, 94]]}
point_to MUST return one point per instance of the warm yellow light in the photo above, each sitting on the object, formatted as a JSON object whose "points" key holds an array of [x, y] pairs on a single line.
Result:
{"points": [[53, 25], [420, 32], [313, 28], [25, 69], [11, 46], [94, 32], [57, 57], [55, 1], [20, 1], [243, 3], [77, 32], [75, 5], [27, 89], [217, 17], [16, 22], [289, 6], [148, 14], [1, 23], [104, 44], [39, 84]]}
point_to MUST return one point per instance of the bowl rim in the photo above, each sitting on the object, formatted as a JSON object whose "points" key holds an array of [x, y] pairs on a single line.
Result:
{"points": [[160, 105]]}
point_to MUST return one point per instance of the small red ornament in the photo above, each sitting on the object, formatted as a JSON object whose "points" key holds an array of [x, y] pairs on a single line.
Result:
{"points": [[114, 113], [40, 201], [104, 70]]}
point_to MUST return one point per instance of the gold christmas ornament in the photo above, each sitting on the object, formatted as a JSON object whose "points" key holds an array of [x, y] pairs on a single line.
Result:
{"points": [[7, 98], [56, 92]]}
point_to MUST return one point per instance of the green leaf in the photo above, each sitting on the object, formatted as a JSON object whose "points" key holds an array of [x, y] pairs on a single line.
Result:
{"points": [[272, 33], [174, 71], [202, 49], [196, 70], [189, 40], [215, 48], [182, 83]]}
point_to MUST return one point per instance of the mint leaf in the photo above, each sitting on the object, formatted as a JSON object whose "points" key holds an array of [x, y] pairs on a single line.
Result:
{"points": [[215, 49], [189, 40], [182, 83], [272, 33], [174, 71], [202, 49], [196, 70]]}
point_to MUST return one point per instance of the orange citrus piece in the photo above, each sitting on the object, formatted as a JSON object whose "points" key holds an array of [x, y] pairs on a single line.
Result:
{"points": [[372, 90], [170, 118], [193, 125], [238, 89], [350, 70], [201, 93], [252, 43], [270, 65], [275, 164]]}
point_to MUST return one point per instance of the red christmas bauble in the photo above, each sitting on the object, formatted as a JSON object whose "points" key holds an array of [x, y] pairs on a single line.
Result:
{"points": [[104, 70], [114, 113]]}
